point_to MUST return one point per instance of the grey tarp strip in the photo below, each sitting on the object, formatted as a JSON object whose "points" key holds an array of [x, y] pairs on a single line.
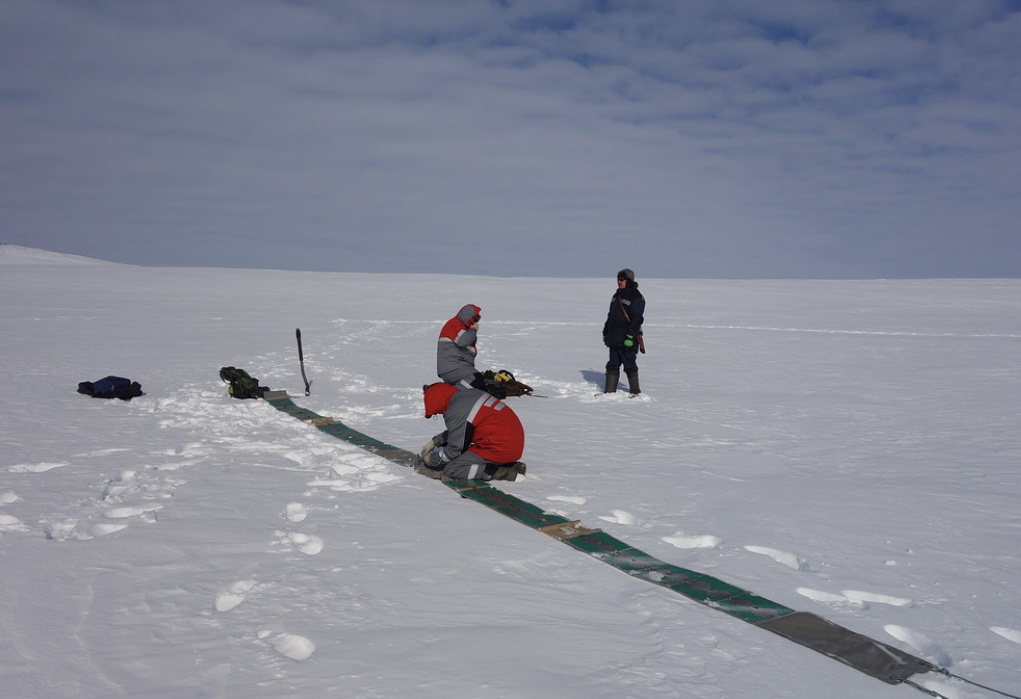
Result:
{"points": [[860, 652]]}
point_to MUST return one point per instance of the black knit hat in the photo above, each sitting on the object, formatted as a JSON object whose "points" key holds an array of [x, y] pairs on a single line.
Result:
{"points": [[625, 274]]}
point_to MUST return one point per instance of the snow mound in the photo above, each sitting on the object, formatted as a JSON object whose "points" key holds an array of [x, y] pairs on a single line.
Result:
{"points": [[20, 255]]}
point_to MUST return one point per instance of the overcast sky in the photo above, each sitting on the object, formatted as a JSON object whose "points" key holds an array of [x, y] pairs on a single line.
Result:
{"points": [[681, 138]]}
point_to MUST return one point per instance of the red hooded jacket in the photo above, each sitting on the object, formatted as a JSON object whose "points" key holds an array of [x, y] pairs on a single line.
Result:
{"points": [[476, 422]]}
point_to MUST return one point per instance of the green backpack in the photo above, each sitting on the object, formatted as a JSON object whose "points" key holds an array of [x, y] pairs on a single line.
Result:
{"points": [[242, 385]]}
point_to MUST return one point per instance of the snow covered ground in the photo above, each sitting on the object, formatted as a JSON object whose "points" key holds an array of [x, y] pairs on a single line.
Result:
{"points": [[850, 449]]}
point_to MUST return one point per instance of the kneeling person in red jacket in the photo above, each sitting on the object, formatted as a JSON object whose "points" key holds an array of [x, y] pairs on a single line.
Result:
{"points": [[483, 439]]}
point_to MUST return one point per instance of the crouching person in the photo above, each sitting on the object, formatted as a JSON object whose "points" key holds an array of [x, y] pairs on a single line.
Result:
{"points": [[483, 439]]}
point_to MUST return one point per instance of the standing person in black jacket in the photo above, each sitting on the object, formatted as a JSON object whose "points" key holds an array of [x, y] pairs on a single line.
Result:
{"points": [[622, 332]]}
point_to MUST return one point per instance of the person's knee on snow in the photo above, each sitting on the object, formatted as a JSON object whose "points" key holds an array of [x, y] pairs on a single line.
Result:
{"points": [[481, 432]]}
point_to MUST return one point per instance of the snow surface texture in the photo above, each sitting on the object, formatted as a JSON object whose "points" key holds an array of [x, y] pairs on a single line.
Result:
{"points": [[844, 448]]}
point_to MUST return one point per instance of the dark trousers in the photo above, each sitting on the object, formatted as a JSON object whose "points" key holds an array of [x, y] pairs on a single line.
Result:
{"points": [[622, 355]]}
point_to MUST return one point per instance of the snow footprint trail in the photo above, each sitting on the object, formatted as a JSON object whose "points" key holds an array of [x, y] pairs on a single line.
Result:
{"points": [[289, 645], [921, 644], [37, 468], [782, 557], [127, 499], [845, 599], [352, 472], [234, 595], [679, 539], [131, 485], [685, 541], [9, 523], [246, 432], [309, 544], [146, 512], [296, 512], [852, 599], [882, 661], [348, 469], [1009, 634], [619, 517], [571, 499], [78, 512]]}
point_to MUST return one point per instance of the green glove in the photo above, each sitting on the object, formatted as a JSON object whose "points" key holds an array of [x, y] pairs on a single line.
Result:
{"points": [[629, 340]]}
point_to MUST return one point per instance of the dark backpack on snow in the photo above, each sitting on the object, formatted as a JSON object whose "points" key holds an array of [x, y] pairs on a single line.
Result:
{"points": [[500, 384], [241, 384], [111, 387]]}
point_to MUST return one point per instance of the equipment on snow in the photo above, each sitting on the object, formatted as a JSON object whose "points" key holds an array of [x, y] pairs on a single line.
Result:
{"points": [[301, 362], [871, 657], [500, 384], [111, 387], [488, 384], [514, 387], [242, 385]]}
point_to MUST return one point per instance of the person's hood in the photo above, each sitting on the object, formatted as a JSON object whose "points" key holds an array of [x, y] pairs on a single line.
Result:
{"points": [[437, 397], [467, 314]]}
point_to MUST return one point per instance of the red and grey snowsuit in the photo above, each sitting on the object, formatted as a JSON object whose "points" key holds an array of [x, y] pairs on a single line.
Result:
{"points": [[482, 432], [456, 351]]}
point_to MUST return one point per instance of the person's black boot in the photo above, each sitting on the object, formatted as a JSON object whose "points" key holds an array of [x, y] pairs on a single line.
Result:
{"points": [[612, 378], [633, 385]]}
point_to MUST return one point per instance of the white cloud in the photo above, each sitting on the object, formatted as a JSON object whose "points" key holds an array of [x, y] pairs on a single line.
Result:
{"points": [[770, 137]]}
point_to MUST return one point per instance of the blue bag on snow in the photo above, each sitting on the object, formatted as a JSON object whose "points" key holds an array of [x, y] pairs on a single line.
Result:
{"points": [[111, 387]]}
